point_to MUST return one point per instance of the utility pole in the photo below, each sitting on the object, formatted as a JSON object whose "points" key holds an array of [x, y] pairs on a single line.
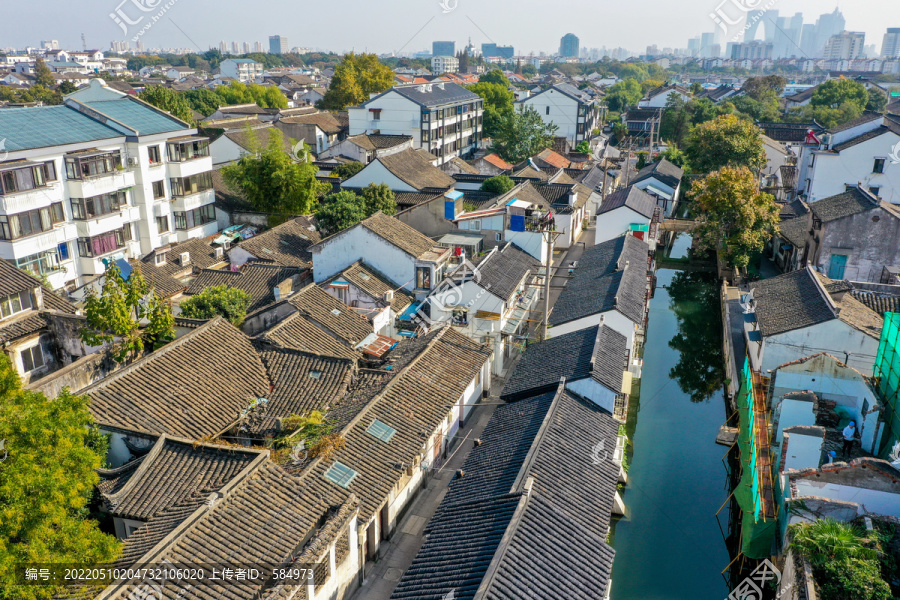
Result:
{"points": [[603, 189], [549, 240], [628, 162]]}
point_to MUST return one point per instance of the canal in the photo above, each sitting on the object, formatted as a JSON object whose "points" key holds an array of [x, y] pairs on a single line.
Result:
{"points": [[669, 546]]}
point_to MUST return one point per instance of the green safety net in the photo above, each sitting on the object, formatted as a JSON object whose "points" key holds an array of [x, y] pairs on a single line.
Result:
{"points": [[887, 370], [758, 534]]}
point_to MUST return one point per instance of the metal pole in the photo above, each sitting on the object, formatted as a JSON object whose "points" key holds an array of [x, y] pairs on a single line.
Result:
{"points": [[549, 235], [605, 175]]}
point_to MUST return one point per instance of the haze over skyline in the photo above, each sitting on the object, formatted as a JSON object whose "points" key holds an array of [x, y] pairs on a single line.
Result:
{"points": [[408, 25]]}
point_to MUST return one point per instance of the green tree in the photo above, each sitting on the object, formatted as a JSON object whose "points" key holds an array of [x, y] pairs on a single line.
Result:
{"points": [[877, 100], [725, 141], [522, 134], [340, 210], [675, 123], [529, 70], [242, 93], [128, 316], [734, 214], [168, 100], [757, 110], [641, 160], [66, 87], [696, 88], [674, 155], [348, 170], [763, 89], [583, 147], [378, 196], [273, 182], [498, 184], [498, 101], [355, 78], [52, 453], [835, 92], [624, 94], [220, 300], [203, 100], [494, 76], [42, 74]]}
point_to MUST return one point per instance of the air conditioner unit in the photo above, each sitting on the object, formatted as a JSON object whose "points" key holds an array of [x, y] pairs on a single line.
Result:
{"points": [[133, 161], [389, 296], [220, 252], [185, 258]]}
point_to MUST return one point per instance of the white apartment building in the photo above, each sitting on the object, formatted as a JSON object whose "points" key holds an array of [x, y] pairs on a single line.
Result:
{"points": [[444, 64], [443, 118], [242, 69], [847, 45], [575, 113], [101, 177]]}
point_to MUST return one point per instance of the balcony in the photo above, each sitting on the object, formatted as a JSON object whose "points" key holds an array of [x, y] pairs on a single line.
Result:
{"points": [[108, 222], [100, 184], [17, 202], [190, 167], [186, 203], [35, 244]]}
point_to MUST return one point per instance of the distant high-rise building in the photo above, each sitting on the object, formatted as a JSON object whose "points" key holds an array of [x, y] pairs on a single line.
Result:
{"points": [[257, 47], [752, 50], [890, 46], [653, 50], [847, 45], [235, 48], [693, 46], [49, 45], [808, 41], [278, 44], [246, 47], [827, 26], [706, 42], [767, 21], [443, 48], [222, 47], [118, 46], [498, 51], [787, 36], [568, 46]]}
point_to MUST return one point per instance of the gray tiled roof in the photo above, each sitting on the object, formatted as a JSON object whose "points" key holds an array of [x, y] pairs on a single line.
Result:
{"points": [[503, 270], [790, 301], [878, 302], [175, 470], [843, 205], [795, 231], [451, 93], [399, 234], [414, 169], [543, 363], [166, 278], [301, 333], [608, 364], [662, 170], [193, 387], [331, 315], [258, 280], [634, 198], [376, 285], [867, 117], [602, 282], [286, 244]]}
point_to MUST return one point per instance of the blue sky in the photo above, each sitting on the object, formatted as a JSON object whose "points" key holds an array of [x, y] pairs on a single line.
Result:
{"points": [[389, 25]]}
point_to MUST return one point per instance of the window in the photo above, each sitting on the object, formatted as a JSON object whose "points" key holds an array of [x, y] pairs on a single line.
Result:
{"points": [[42, 262], [376, 114], [13, 227], [188, 150], [195, 218], [15, 303], [548, 110], [97, 206], [160, 258], [162, 224], [159, 189], [185, 186], [63, 250], [340, 474], [875, 189], [153, 151], [423, 278], [382, 431], [27, 178], [94, 165], [879, 166], [498, 237], [32, 358], [180, 220], [104, 243]]}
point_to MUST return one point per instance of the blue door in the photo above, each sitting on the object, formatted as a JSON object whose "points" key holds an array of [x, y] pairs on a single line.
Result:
{"points": [[836, 267]]}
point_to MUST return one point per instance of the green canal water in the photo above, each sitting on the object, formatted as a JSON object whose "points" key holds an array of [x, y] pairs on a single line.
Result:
{"points": [[669, 546]]}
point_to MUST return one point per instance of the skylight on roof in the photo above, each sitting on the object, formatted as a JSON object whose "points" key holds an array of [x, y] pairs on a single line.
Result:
{"points": [[336, 312], [340, 474], [364, 276], [382, 431], [314, 374]]}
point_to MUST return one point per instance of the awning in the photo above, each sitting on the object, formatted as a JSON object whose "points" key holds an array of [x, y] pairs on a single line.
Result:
{"points": [[657, 192], [640, 227], [519, 203], [461, 239], [376, 345], [410, 312], [522, 311]]}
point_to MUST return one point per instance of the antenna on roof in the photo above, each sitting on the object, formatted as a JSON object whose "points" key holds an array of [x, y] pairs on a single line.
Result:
{"points": [[83, 43]]}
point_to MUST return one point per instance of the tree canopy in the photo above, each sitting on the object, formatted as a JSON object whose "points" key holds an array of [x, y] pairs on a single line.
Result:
{"points": [[42, 74], [340, 210], [355, 78], [522, 134], [241, 93], [347, 170], [624, 94], [498, 101], [835, 92], [219, 300], [168, 100], [46, 481], [378, 196], [127, 316], [494, 76], [733, 213], [273, 182], [498, 184], [725, 141]]}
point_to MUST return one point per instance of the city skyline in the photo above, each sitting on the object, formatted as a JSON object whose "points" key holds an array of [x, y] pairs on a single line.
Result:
{"points": [[184, 25]]}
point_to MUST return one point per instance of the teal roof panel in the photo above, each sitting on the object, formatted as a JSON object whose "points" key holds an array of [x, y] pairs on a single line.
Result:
{"points": [[137, 116], [43, 126]]}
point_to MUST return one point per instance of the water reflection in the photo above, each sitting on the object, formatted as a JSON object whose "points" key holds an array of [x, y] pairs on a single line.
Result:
{"points": [[695, 302]]}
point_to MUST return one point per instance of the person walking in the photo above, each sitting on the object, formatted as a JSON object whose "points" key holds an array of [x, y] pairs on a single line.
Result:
{"points": [[849, 437], [831, 456]]}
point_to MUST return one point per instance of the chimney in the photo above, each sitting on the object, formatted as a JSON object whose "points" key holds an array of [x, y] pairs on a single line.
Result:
{"points": [[573, 197]]}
